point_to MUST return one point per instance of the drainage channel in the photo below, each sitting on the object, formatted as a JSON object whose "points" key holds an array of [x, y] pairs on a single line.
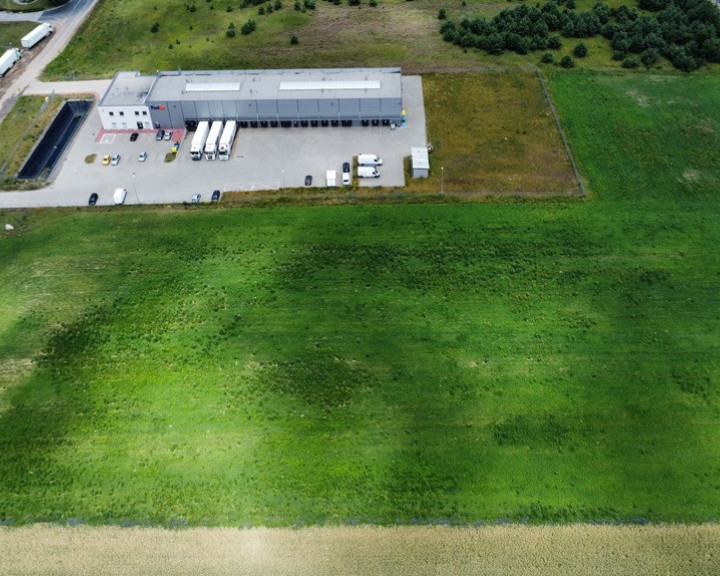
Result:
{"points": [[57, 137]]}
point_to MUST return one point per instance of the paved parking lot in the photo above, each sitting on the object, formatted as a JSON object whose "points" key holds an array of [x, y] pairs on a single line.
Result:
{"points": [[262, 159]]}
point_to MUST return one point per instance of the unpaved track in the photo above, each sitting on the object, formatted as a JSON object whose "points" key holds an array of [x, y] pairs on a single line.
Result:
{"points": [[575, 550]]}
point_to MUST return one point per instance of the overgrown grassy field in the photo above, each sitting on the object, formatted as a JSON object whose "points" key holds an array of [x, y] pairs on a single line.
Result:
{"points": [[547, 361], [493, 133], [394, 33], [12, 32]]}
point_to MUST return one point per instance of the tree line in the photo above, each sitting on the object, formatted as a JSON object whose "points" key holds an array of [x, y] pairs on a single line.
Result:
{"points": [[686, 32]]}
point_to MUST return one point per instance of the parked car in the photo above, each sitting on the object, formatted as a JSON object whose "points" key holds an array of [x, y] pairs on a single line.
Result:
{"points": [[215, 196], [106, 159], [159, 135], [115, 160], [308, 180], [196, 199], [168, 135], [93, 199], [134, 136], [175, 147], [346, 173], [142, 156]]}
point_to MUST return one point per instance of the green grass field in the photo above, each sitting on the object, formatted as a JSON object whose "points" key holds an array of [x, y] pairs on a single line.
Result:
{"points": [[540, 361]]}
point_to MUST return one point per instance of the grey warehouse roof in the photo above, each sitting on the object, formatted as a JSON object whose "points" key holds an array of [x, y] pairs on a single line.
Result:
{"points": [[277, 84], [128, 89]]}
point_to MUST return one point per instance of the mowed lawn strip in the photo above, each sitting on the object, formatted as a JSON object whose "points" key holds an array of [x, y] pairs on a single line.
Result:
{"points": [[539, 362]]}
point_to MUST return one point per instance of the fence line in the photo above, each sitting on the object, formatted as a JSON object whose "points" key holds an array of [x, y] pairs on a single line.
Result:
{"points": [[562, 133]]}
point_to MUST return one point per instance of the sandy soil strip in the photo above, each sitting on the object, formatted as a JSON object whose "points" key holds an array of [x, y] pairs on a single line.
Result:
{"points": [[349, 551]]}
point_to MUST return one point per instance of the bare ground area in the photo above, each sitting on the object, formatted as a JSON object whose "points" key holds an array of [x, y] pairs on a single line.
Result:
{"points": [[507, 550]]}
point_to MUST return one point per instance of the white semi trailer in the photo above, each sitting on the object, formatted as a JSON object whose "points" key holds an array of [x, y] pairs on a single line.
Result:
{"points": [[227, 139], [8, 59], [35, 35], [211, 145], [198, 142]]}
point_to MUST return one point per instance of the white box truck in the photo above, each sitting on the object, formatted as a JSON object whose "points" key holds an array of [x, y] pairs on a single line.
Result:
{"points": [[227, 139], [120, 195], [35, 35], [8, 60], [368, 172], [198, 142], [211, 145], [331, 178], [369, 160]]}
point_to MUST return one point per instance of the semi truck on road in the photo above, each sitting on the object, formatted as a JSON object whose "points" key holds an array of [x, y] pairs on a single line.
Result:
{"points": [[198, 142], [35, 35], [8, 59]]}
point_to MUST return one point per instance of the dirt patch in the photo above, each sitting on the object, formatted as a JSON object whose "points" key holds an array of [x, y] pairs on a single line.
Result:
{"points": [[641, 99], [496, 550]]}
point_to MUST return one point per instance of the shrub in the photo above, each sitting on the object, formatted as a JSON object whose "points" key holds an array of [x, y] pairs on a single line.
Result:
{"points": [[249, 27], [155, 27], [547, 58], [630, 63], [554, 42], [580, 50], [442, 14], [372, 3], [298, 6], [567, 62], [353, 2], [650, 57], [230, 33], [294, 40], [309, 4], [261, 11], [278, 4]]}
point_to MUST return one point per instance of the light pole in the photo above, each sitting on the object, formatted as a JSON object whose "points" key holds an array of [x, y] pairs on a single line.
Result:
{"points": [[442, 180], [135, 189]]}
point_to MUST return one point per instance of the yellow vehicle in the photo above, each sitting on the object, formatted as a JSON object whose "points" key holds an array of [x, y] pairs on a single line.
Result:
{"points": [[106, 159]]}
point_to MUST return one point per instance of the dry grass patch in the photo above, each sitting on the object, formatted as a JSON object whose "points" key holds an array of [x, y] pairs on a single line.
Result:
{"points": [[494, 134], [360, 551]]}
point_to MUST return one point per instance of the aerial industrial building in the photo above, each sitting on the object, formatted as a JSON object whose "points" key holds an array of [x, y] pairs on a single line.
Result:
{"points": [[254, 98]]}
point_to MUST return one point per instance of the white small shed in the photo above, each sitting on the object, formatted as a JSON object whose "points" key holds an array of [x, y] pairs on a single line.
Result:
{"points": [[420, 162]]}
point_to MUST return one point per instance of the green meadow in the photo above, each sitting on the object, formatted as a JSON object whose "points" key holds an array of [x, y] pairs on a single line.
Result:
{"points": [[529, 361]]}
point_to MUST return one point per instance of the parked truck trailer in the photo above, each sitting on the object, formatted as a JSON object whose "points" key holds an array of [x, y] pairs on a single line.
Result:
{"points": [[35, 35], [227, 139], [211, 145], [198, 142], [8, 59]]}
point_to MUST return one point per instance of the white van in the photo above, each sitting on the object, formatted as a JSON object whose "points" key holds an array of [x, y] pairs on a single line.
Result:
{"points": [[367, 172], [120, 195], [369, 160]]}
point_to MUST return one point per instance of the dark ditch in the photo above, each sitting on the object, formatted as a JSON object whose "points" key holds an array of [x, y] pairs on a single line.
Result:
{"points": [[56, 138]]}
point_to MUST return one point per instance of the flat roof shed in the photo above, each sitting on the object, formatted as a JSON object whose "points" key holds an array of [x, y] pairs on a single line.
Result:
{"points": [[420, 162]]}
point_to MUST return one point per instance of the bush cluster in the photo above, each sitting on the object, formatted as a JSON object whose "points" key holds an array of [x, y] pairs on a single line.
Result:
{"points": [[686, 32]]}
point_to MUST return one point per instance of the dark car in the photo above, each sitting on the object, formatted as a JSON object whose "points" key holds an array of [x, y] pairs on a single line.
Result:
{"points": [[308, 180], [215, 196], [159, 135], [93, 199], [134, 136]]}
